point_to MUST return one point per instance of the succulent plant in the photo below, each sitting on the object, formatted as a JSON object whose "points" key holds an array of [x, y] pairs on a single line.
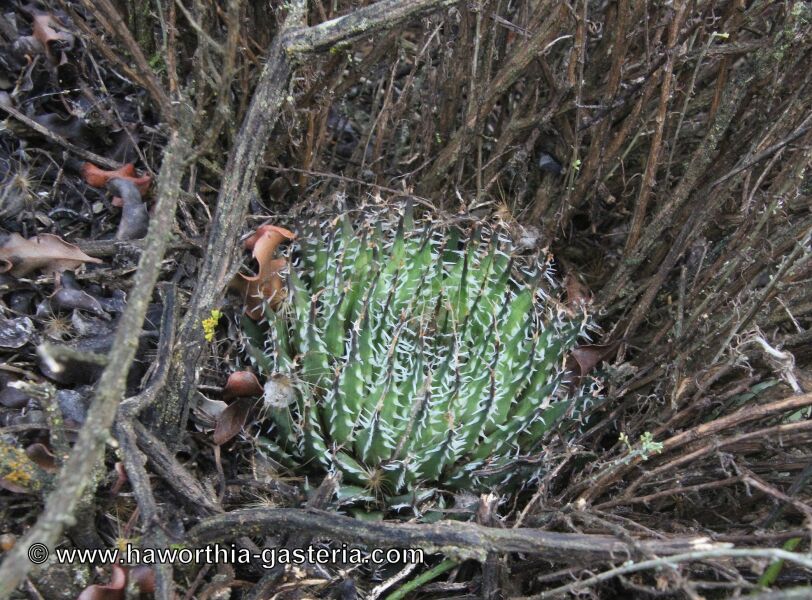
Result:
{"points": [[420, 355]]}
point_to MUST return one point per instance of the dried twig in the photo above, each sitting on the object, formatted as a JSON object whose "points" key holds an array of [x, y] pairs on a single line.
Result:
{"points": [[456, 540], [58, 139], [673, 561]]}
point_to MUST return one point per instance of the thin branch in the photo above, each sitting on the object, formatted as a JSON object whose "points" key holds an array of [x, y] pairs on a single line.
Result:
{"points": [[364, 21], [595, 485], [202, 34], [111, 20], [461, 541], [672, 561], [135, 460], [799, 131], [653, 161], [58, 139]]}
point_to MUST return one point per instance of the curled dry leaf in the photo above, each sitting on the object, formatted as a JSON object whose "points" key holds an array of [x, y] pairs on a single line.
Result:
{"points": [[96, 177], [43, 456], [69, 127], [266, 238], [51, 34], [69, 299], [211, 408], [134, 218], [232, 419], [268, 285], [47, 252], [279, 188], [27, 46], [549, 164], [241, 384], [585, 358], [73, 404], [112, 591]]}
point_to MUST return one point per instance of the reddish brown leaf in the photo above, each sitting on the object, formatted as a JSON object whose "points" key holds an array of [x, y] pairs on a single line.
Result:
{"points": [[240, 384], [267, 287], [96, 177], [112, 591], [268, 284], [275, 236], [231, 420], [47, 252]]}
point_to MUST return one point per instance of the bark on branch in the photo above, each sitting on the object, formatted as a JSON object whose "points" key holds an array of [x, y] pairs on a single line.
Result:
{"points": [[364, 21], [461, 541]]}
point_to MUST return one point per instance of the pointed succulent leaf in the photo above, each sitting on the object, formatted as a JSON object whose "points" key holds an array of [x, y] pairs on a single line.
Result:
{"points": [[423, 356]]}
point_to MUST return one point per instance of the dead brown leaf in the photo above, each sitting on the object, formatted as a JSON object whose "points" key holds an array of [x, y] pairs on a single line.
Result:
{"points": [[51, 34], [585, 358], [267, 285], [96, 177], [112, 591], [231, 420], [46, 252], [43, 456]]}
